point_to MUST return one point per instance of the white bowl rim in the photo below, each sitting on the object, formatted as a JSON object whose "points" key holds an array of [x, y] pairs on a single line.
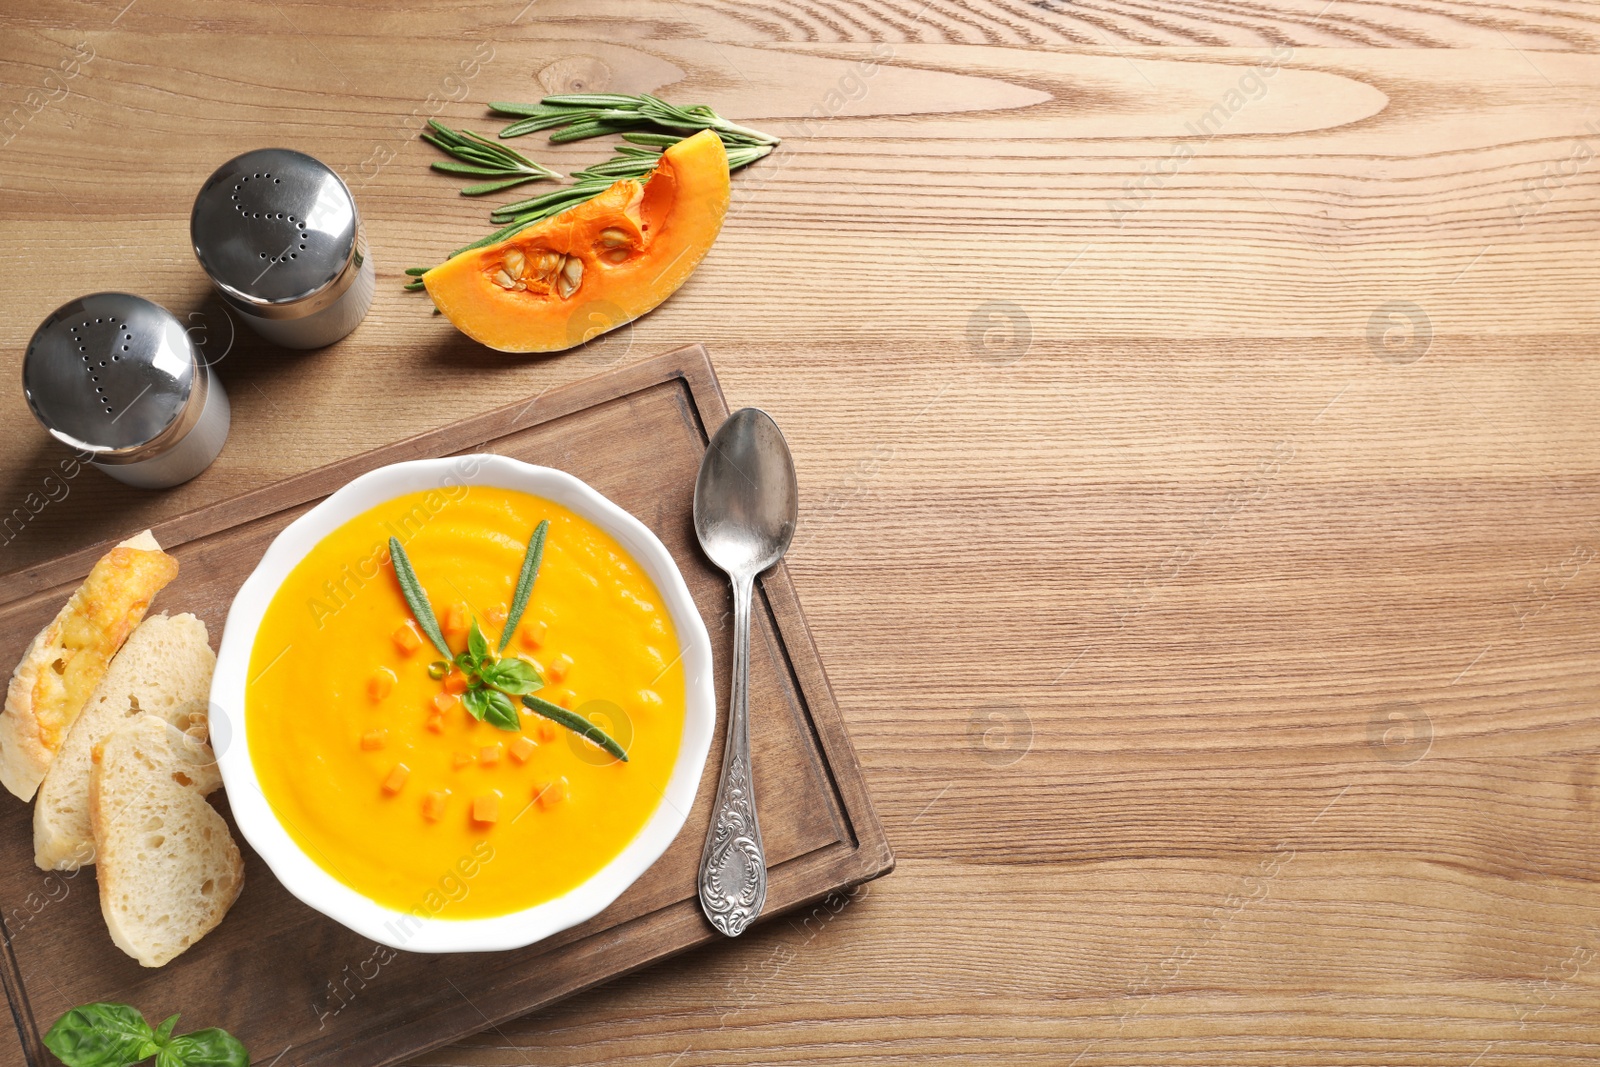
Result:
{"points": [[320, 890]]}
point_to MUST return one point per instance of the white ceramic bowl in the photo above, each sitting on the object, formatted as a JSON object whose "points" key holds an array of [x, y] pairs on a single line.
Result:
{"points": [[317, 888]]}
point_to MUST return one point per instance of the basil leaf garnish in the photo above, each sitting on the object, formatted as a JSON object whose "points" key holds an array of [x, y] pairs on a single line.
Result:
{"points": [[116, 1035], [477, 702], [204, 1048], [513, 676], [501, 712], [101, 1035], [477, 644]]}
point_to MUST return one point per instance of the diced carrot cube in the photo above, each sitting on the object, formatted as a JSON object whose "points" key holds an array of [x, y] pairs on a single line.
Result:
{"points": [[495, 617], [406, 638], [486, 808], [522, 748], [559, 667], [433, 805], [455, 682], [462, 759], [457, 619], [397, 779], [565, 697], [547, 731], [445, 703], [435, 722], [381, 684], [489, 755], [548, 794], [533, 634], [373, 740]]}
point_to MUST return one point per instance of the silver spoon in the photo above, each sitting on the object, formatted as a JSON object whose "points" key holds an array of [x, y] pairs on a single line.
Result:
{"points": [[745, 505]]}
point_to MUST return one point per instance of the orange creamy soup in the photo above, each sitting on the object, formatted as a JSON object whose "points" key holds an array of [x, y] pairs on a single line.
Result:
{"points": [[376, 768]]}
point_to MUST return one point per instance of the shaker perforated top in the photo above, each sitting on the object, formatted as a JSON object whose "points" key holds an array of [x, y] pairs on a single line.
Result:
{"points": [[277, 232], [109, 373]]}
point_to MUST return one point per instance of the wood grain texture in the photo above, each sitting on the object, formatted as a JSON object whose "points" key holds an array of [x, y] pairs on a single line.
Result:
{"points": [[1200, 528]]}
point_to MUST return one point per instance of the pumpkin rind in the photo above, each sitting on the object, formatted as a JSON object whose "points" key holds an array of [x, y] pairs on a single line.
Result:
{"points": [[596, 266]]}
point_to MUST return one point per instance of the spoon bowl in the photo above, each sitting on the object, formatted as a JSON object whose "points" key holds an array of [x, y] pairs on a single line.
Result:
{"points": [[746, 499]]}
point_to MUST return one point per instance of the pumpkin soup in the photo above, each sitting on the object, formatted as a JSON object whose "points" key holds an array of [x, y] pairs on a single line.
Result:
{"points": [[399, 770]]}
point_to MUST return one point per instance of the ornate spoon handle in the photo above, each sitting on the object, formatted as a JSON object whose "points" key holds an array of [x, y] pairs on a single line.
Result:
{"points": [[733, 867]]}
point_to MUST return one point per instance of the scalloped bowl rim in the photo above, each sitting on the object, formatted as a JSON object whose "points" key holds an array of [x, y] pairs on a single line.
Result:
{"points": [[306, 879]]}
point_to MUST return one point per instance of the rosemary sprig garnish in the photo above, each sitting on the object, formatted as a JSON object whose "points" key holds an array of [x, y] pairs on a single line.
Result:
{"points": [[576, 723], [482, 158], [530, 571], [415, 597]]}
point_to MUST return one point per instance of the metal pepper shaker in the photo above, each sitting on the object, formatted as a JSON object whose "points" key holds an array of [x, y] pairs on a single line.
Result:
{"points": [[279, 235], [117, 377]]}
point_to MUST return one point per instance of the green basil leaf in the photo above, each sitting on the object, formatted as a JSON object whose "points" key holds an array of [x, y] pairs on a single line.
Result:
{"points": [[204, 1048], [101, 1035], [576, 723], [501, 712], [513, 676], [530, 571], [477, 644], [477, 702], [164, 1031]]}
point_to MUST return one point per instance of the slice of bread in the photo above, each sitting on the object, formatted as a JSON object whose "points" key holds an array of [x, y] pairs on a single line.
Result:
{"points": [[68, 657], [164, 669], [168, 868]]}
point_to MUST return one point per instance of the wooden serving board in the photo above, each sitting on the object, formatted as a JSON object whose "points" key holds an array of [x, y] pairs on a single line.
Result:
{"points": [[288, 981]]}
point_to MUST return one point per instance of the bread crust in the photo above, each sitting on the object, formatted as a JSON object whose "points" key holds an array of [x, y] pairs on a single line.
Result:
{"points": [[67, 659]]}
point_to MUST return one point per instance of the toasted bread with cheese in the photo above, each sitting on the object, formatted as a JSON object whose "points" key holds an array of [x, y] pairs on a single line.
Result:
{"points": [[164, 669], [69, 657], [167, 866]]}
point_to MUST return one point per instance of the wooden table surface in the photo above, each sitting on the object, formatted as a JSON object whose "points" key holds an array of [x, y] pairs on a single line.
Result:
{"points": [[1194, 411]]}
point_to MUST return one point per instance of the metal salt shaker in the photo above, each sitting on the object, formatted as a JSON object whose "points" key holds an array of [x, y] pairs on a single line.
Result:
{"points": [[278, 233], [117, 377]]}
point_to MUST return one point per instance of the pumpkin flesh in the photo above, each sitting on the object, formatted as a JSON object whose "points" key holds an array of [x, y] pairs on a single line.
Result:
{"points": [[596, 266]]}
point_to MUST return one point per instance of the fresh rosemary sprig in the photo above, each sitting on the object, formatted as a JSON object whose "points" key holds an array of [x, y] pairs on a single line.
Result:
{"points": [[530, 570], [416, 599], [482, 158], [649, 125], [576, 116], [576, 723], [630, 161]]}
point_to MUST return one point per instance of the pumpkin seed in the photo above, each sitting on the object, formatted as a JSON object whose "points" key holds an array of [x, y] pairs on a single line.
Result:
{"points": [[571, 275], [504, 280], [612, 237], [515, 262], [615, 255]]}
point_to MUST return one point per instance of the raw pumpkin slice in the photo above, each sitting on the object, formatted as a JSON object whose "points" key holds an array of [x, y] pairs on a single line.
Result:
{"points": [[593, 267]]}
